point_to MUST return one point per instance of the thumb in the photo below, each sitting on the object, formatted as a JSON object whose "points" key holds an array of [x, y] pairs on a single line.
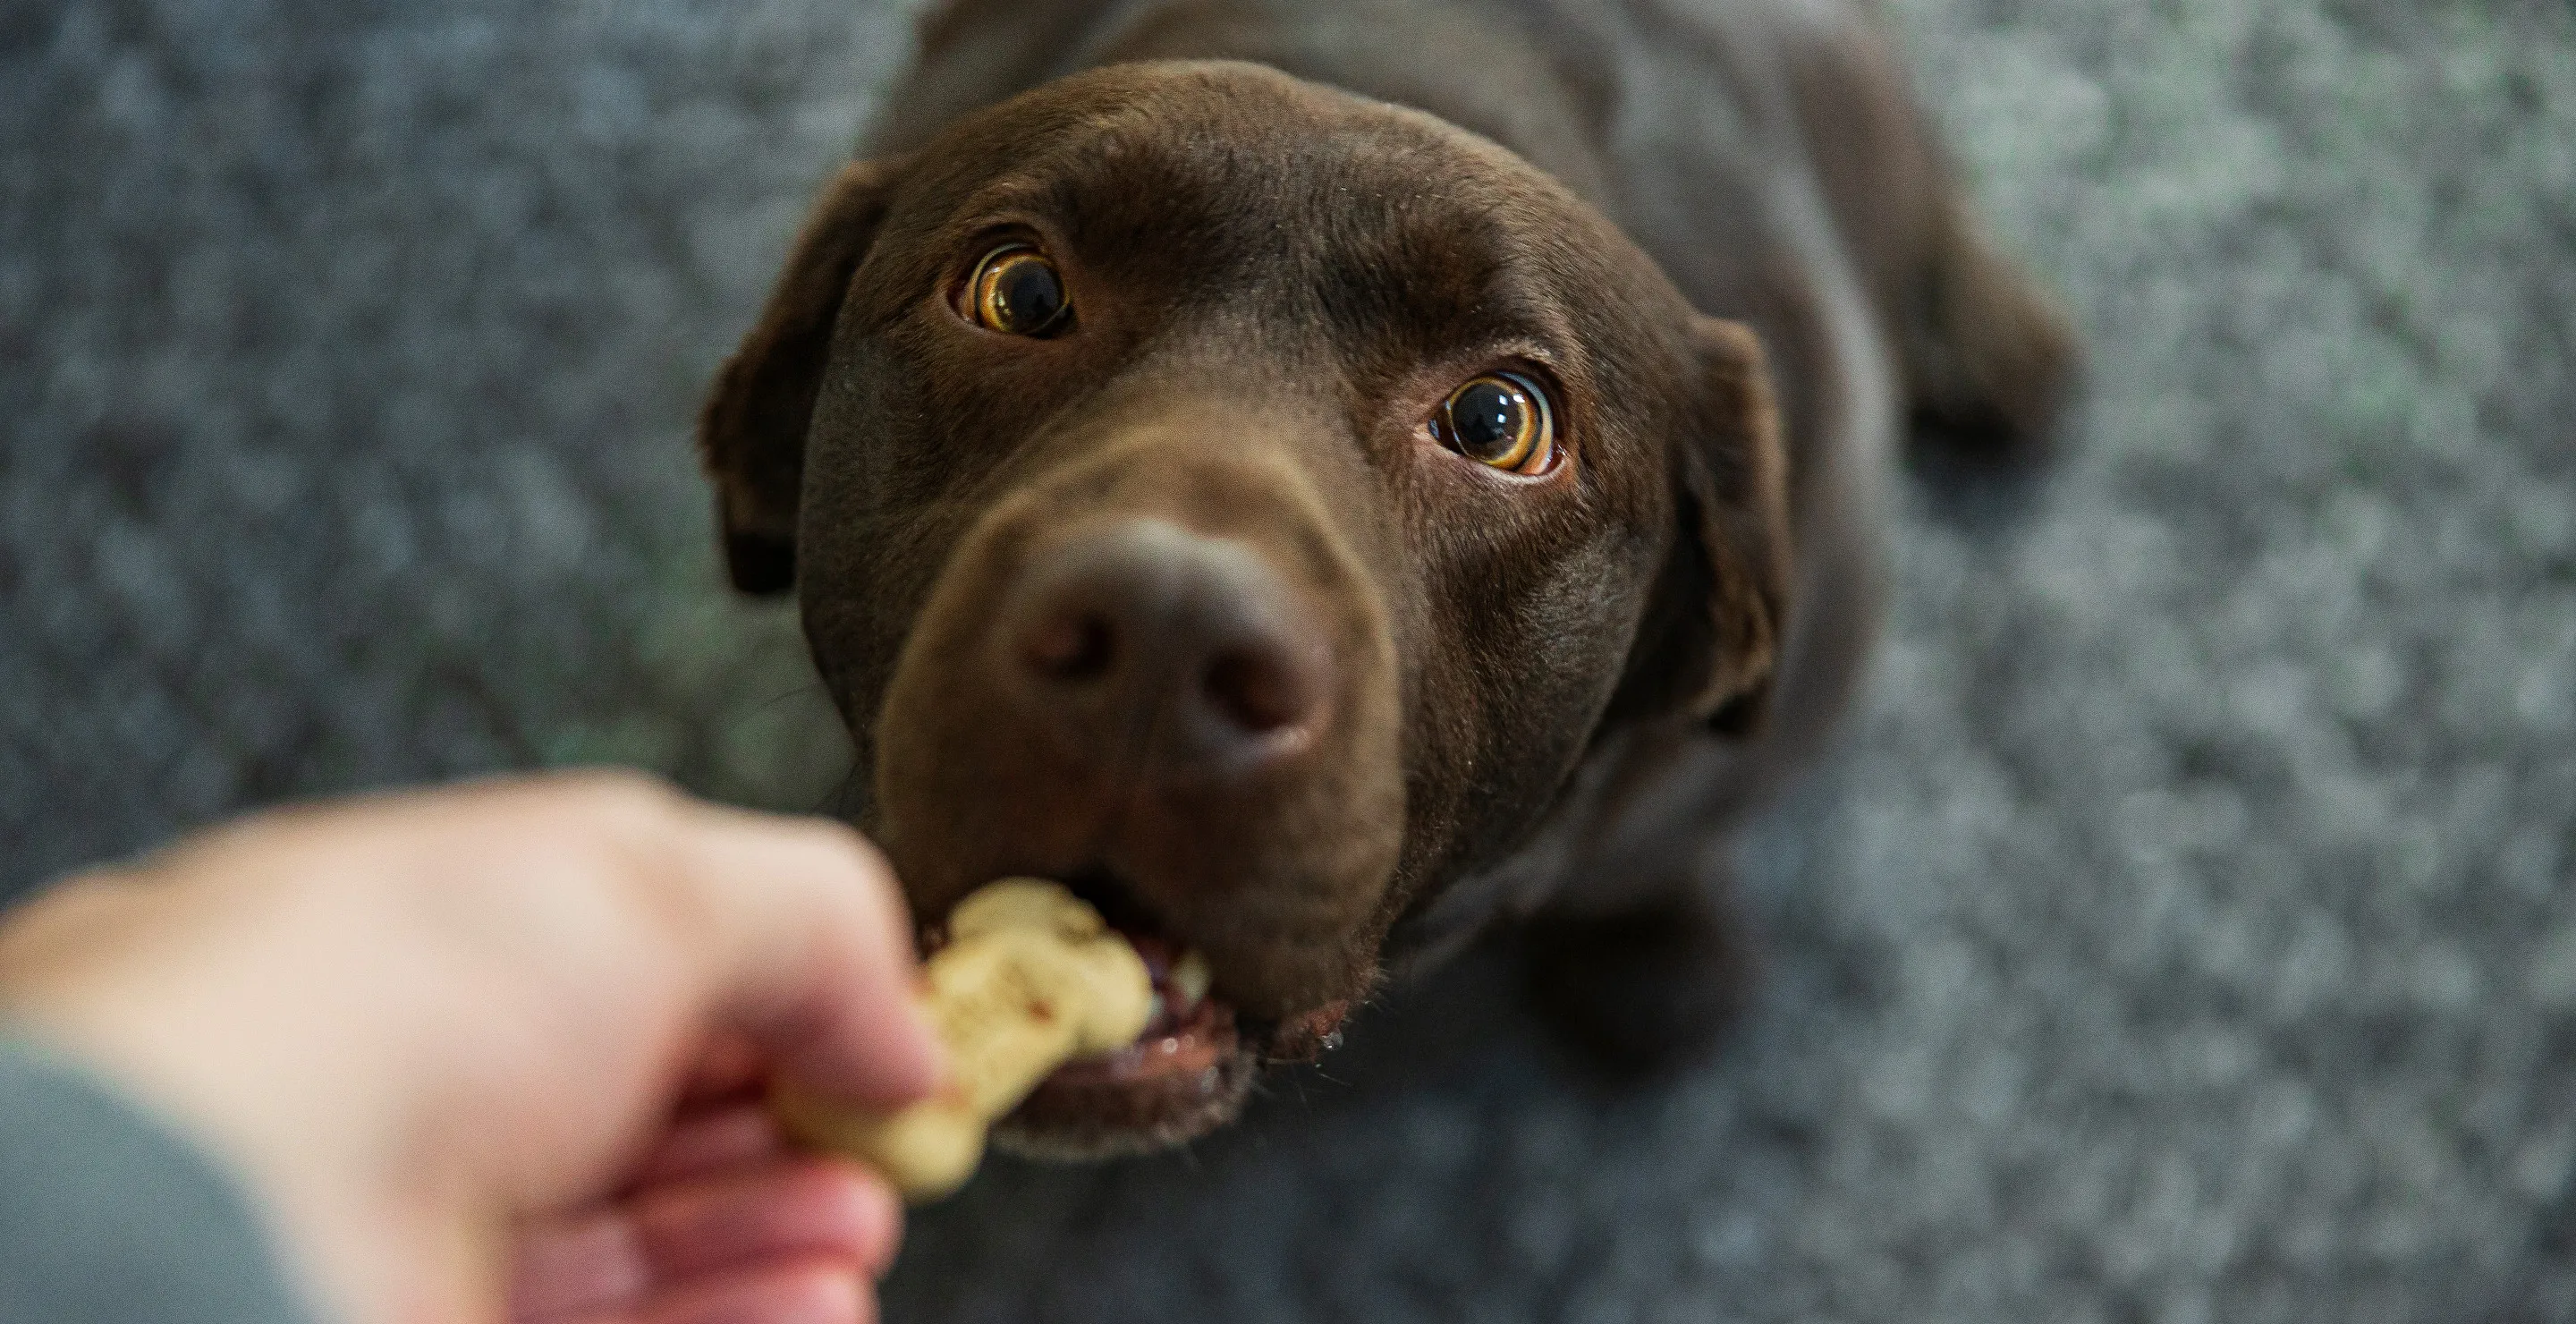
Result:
{"points": [[803, 943]]}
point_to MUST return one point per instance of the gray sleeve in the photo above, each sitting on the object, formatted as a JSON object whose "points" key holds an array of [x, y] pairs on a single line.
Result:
{"points": [[107, 1216]]}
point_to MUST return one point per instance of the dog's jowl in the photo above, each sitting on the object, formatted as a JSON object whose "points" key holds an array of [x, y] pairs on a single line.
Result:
{"points": [[1321, 479]]}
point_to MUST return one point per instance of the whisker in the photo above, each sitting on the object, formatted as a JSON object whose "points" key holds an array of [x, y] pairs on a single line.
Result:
{"points": [[809, 687], [836, 801]]}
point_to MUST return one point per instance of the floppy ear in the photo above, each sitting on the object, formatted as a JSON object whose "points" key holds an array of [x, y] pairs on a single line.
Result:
{"points": [[1716, 617], [751, 434]]}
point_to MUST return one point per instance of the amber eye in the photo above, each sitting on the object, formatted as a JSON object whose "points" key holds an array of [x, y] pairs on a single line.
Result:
{"points": [[1017, 292], [1501, 419]]}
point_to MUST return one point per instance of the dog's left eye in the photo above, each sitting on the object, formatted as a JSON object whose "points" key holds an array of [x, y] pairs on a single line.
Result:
{"points": [[1017, 292], [1501, 419]]}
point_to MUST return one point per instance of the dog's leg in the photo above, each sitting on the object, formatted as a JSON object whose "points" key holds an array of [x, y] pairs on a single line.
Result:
{"points": [[1989, 358], [1650, 987]]}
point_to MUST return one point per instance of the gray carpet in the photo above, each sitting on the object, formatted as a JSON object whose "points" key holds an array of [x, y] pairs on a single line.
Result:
{"points": [[2184, 936]]}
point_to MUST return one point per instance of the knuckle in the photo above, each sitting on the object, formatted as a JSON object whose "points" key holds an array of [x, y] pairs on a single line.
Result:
{"points": [[612, 809], [839, 839], [850, 852], [618, 791], [603, 832]]}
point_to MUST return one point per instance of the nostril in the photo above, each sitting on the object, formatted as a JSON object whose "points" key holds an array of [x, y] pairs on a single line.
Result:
{"points": [[1073, 647], [1144, 650], [1257, 690]]}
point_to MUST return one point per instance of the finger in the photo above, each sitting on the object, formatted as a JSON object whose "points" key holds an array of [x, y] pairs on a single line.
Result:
{"points": [[815, 1293], [616, 1260], [589, 1268], [708, 1143], [730, 1065], [807, 1209], [806, 945], [810, 1292]]}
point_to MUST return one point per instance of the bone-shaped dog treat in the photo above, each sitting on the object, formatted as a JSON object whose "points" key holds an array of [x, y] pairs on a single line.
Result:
{"points": [[1031, 978]]}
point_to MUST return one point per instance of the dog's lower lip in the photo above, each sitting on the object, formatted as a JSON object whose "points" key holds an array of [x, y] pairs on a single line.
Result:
{"points": [[1178, 1048]]}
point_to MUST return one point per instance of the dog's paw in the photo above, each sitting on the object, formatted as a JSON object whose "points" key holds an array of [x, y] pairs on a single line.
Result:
{"points": [[1640, 994], [1991, 360]]}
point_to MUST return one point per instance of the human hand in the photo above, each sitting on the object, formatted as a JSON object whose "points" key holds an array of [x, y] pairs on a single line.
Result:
{"points": [[497, 1043]]}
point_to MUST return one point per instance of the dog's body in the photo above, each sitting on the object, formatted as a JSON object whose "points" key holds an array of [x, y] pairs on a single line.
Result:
{"points": [[1554, 707]]}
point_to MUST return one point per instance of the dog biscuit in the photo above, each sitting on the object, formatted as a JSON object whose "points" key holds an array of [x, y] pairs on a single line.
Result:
{"points": [[1030, 978]]}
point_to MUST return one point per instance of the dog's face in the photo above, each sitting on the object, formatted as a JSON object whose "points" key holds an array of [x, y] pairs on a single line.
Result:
{"points": [[1244, 502]]}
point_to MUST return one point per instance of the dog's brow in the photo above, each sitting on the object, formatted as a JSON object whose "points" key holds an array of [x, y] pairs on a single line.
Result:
{"points": [[985, 208], [1011, 195], [1506, 310]]}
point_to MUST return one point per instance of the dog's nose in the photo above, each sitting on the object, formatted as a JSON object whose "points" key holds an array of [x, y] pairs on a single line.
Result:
{"points": [[1148, 647]]}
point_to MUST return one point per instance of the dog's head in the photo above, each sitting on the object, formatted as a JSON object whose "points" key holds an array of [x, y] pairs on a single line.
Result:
{"points": [[1246, 502]]}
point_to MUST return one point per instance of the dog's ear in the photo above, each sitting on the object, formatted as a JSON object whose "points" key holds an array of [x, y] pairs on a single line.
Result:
{"points": [[1716, 618], [751, 434]]}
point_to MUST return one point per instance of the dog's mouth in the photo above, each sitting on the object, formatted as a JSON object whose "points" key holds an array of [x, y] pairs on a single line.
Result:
{"points": [[1185, 1074], [1190, 1032]]}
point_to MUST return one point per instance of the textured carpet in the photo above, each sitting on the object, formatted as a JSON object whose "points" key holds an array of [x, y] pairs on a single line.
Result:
{"points": [[2184, 936]]}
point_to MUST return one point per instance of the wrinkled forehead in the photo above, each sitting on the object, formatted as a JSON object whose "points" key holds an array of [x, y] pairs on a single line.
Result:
{"points": [[1251, 191]]}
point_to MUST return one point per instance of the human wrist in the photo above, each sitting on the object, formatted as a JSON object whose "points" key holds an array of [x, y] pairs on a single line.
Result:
{"points": [[195, 1037]]}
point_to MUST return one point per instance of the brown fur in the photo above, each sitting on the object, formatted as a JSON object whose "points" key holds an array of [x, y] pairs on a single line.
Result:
{"points": [[1538, 696]]}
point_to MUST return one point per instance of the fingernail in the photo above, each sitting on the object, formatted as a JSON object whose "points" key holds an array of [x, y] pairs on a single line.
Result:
{"points": [[884, 1209]]}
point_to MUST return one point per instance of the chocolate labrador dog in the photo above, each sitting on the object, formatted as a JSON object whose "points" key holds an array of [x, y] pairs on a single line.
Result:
{"points": [[1321, 478]]}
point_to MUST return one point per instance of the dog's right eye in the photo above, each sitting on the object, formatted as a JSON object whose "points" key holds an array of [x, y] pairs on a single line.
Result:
{"points": [[1017, 292]]}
